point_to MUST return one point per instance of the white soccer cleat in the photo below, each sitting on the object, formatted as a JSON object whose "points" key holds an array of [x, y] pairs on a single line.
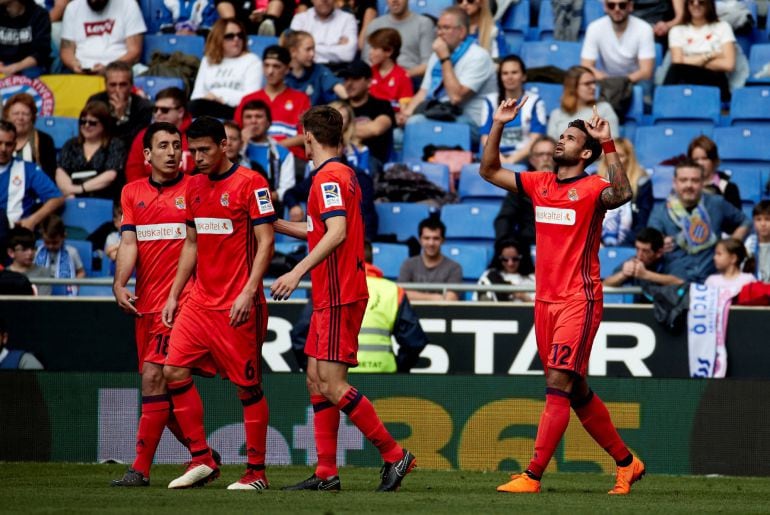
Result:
{"points": [[197, 474], [251, 480]]}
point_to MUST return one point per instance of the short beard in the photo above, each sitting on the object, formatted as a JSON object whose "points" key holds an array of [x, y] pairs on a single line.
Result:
{"points": [[564, 160]]}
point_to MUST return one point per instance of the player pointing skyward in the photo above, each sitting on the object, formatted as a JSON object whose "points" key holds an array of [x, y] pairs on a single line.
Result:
{"points": [[569, 208]]}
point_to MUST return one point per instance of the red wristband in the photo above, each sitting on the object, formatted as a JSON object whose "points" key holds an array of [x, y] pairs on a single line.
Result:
{"points": [[608, 147]]}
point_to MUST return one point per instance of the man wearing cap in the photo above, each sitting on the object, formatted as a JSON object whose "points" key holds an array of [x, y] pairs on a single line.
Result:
{"points": [[286, 105], [374, 117]]}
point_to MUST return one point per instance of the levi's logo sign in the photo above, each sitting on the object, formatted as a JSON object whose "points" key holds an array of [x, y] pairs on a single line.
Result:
{"points": [[214, 226], [98, 28], [155, 232], [554, 215]]}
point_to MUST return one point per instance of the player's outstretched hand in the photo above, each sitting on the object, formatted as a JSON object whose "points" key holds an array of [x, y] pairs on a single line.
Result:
{"points": [[598, 127], [283, 287], [508, 110], [126, 300], [241, 309], [169, 311]]}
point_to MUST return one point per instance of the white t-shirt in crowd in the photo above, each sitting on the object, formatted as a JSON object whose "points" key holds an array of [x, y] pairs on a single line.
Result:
{"points": [[700, 40], [327, 34], [230, 80], [618, 56], [734, 284]]}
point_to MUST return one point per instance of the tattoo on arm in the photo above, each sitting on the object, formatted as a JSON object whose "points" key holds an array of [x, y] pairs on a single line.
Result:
{"points": [[619, 191]]}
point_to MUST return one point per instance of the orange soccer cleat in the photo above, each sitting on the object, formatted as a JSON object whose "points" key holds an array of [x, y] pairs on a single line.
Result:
{"points": [[627, 476], [520, 484]]}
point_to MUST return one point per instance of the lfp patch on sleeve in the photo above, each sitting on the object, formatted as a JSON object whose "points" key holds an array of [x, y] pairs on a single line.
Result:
{"points": [[264, 202], [331, 194]]}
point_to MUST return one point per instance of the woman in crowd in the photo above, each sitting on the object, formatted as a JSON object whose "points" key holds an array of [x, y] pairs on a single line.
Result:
{"points": [[356, 153], [483, 28], [512, 265], [577, 101], [702, 48], [315, 80], [91, 164], [227, 72], [31, 144], [704, 151]]}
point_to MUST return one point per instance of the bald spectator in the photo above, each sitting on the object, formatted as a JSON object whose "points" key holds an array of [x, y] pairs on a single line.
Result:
{"points": [[334, 31]]}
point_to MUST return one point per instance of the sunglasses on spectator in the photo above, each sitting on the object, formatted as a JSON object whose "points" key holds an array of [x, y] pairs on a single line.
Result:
{"points": [[89, 123], [163, 109], [617, 5], [469, 2], [234, 35], [515, 259]]}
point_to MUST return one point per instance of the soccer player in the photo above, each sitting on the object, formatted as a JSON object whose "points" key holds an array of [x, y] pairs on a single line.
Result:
{"points": [[569, 208], [153, 231], [229, 245], [335, 235]]}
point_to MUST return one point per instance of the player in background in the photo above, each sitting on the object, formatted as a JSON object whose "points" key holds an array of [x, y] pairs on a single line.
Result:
{"points": [[229, 246], [152, 235], [335, 234], [569, 208]]}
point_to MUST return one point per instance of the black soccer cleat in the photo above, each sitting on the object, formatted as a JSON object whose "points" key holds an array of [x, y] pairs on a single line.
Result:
{"points": [[314, 482], [393, 473], [131, 478]]}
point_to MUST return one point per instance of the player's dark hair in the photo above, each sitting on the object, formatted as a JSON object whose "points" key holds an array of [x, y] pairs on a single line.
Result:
{"points": [[6, 126], [207, 127], [21, 236], [258, 105], [526, 266], [368, 252], [590, 143], [687, 163], [433, 223], [735, 248], [762, 208], [173, 93], [652, 236], [155, 128], [325, 124], [52, 226]]}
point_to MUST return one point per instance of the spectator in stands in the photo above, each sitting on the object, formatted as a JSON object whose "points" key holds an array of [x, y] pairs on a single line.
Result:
{"points": [[286, 105], [263, 18], [263, 153], [374, 119], [516, 219], [482, 26], [60, 260], [459, 72], [106, 238], [511, 265], [356, 153], [519, 134], [647, 267], [389, 81], [14, 283], [663, 15], [624, 44], [189, 18], [234, 149], [314, 79], [15, 359], [25, 39], [578, 101], [417, 35], [98, 32], [27, 195], [32, 145], [758, 244], [640, 207], [228, 71], [364, 11], [91, 164], [130, 112], [334, 31], [729, 258], [704, 151], [170, 106], [21, 250], [692, 222], [431, 266], [702, 49]]}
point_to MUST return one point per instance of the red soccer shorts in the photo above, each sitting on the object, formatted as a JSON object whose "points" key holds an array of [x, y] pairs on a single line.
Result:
{"points": [[151, 339], [333, 333], [565, 333], [203, 337]]}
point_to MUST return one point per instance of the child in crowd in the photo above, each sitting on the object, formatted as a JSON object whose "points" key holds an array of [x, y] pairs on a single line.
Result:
{"points": [[62, 261], [758, 244], [729, 256], [21, 250], [389, 81], [314, 79], [106, 238]]}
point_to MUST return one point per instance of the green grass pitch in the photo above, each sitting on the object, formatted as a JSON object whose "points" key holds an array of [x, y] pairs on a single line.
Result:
{"points": [[84, 489]]}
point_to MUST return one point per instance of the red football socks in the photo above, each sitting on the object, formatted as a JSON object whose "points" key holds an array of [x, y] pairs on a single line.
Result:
{"points": [[326, 423], [361, 412], [173, 426], [155, 414], [596, 419], [553, 423], [188, 411], [255, 418]]}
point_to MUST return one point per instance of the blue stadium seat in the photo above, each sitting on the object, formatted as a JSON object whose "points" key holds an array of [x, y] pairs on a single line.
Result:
{"points": [[759, 57], [750, 104], [153, 85], [169, 43], [388, 257], [515, 26], [400, 218], [550, 93], [469, 221], [661, 142], [155, 14], [437, 173], [562, 54], [749, 182], [87, 213], [612, 257], [662, 180], [59, 128], [473, 258], [418, 135], [291, 247], [95, 291], [686, 103], [544, 29], [257, 44], [431, 8], [472, 186], [743, 143], [592, 11], [86, 251]]}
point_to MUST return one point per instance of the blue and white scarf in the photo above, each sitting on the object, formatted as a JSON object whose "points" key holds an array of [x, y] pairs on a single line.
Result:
{"points": [[64, 268], [437, 78]]}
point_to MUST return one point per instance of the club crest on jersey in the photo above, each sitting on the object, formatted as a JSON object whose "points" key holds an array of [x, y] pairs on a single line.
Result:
{"points": [[331, 194], [179, 202], [572, 194], [225, 199], [289, 105], [16, 180], [264, 203]]}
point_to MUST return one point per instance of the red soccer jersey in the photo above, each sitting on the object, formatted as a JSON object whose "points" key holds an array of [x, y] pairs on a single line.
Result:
{"points": [[568, 224], [340, 278], [157, 214], [286, 109], [392, 87], [224, 210]]}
